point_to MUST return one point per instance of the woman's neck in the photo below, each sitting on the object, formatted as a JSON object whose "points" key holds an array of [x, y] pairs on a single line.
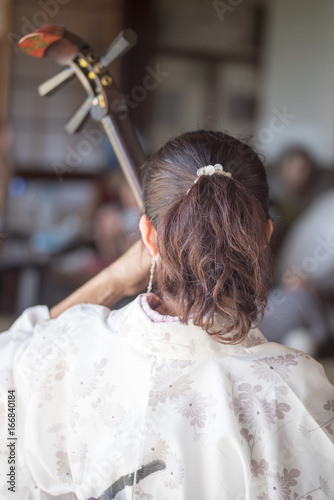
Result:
{"points": [[166, 307]]}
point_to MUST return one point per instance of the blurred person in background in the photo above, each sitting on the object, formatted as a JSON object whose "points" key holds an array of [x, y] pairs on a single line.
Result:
{"points": [[110, 220], [301, 307], [294, 184], [115, 222]]}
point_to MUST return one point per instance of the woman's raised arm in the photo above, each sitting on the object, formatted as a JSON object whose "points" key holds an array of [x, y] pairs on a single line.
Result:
{"points": [[127, 276]]}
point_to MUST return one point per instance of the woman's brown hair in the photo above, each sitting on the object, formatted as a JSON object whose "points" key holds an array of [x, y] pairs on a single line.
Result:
{"points": [[212, 241]]}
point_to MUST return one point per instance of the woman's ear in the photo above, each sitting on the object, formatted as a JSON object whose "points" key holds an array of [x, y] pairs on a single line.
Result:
{"points": [[270, 229], [149, 235]]}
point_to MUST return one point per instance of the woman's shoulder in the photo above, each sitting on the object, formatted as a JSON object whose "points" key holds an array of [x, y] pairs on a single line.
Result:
{"points": [[293, 369], [83, 320], [77, 325], [277, 356]]}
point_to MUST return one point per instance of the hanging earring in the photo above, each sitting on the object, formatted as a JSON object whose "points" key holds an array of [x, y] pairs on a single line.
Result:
{"points": [[149, 288]]}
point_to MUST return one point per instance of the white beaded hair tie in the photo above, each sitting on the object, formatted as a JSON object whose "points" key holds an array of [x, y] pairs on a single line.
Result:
{"points": [[210, 170]]}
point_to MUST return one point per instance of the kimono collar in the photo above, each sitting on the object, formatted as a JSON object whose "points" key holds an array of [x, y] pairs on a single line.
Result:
{"points": [[172, 339]]}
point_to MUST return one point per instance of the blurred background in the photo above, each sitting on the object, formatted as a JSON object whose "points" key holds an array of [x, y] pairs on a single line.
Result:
{"points": [[262, 70]]}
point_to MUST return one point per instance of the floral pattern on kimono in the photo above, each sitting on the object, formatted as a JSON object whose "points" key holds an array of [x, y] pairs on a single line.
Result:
{"points": [[111, 404]]}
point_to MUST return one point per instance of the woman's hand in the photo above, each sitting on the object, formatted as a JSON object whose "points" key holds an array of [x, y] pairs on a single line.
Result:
{"points": [[128, 275], [130, 272]]}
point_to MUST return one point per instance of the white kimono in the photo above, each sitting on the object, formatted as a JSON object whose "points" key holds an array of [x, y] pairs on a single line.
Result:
{"points": [[111, 404]]}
